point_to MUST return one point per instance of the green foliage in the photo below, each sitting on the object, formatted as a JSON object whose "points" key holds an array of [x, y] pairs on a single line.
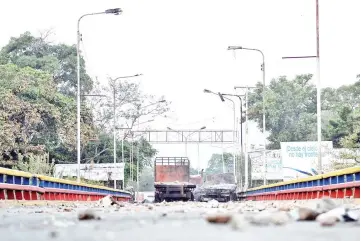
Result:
{"points": [[82, 180], [291, 111], [36, 164], [58, 60], [193, 171], [215, 163], [33, 114], [38, 83], [146, 180]]}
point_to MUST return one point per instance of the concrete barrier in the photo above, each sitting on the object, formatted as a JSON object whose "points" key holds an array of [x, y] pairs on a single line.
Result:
{"points": [[18, 185], [338, 184]]}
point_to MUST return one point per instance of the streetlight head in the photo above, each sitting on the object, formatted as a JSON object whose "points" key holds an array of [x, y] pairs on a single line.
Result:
{"points": [[138, 75], [115, 11], [169, 128], [207, 91], [221, 96], [203, 128], [161, 101], [234, 47]]}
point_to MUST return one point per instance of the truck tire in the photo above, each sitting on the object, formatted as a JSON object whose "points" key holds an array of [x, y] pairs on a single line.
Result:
{"points": [[233, 197], [192, 197], [157, 198]]}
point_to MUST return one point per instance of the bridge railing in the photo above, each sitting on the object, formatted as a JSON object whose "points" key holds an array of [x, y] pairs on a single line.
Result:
{"points": [[343, 183], [18, 185]]}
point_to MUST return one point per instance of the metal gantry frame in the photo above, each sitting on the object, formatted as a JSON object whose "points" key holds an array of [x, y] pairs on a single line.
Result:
{"points": [[197, 137]]}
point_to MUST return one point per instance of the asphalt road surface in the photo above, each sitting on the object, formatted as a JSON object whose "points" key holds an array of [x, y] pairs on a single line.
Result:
{"points": [[149, 222]]}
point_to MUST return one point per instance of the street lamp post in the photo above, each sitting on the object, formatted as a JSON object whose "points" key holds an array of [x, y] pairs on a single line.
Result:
{"points": [[246, 166], [263, 68], [115, 11], [115, 120], [241, 135], [234, 126], [138, 124], [115, 146]]}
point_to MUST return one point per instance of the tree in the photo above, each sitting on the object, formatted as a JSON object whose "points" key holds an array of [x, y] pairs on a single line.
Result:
{"points": [[38, 81], [291, 110], [35, 117], [146, 180], [215, 163], [58, 60], [130, 102], [193, 171]]}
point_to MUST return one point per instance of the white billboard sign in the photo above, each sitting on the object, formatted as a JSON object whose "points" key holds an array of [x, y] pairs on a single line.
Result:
{"points": [[274, 165], [300, 158], [95, 172]]}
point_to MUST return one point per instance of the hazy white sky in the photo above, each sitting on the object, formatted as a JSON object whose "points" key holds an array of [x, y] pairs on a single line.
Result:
{"points": [[180, 47]]}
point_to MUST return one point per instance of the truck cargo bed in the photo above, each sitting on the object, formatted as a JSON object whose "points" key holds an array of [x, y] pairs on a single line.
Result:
{"points": [[172, 179]]}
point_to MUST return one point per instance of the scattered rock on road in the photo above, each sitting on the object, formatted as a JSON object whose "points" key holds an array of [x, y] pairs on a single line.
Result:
{"points": [[213, 203], [304, 214], [238, 222], [88, 215], [325, 204], [221, 219], [108, 201]]}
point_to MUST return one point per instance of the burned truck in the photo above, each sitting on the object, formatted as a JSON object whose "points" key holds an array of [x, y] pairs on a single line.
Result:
{"points": [[219, 187], [171, 179]]}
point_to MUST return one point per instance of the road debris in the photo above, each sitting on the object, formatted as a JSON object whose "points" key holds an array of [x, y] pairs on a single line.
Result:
{"points": [[108, 201], [213, 203], [304, 214], [221, 219], [238, 222], [88, 215]]}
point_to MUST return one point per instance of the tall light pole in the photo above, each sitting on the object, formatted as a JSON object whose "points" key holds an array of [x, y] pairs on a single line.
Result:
{"points": [[234, 126], [263, 68], [318, 80], [138, 124], [115, 120], [246, 166], [115, 11], [241, 131], [132, 152]]}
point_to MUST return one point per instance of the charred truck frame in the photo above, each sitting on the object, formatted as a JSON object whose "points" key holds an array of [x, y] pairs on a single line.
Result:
{"points": [[171, 182], [219, 187]]}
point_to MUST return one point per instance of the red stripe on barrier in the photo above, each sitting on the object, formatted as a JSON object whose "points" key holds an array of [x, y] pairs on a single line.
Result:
{"points": [[73, 195], [20, 187], [341, 190], [342, 185]]}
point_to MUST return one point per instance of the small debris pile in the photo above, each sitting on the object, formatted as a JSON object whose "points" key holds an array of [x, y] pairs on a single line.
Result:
{"points": [[107, 201], [88, 215], [326, 212]]}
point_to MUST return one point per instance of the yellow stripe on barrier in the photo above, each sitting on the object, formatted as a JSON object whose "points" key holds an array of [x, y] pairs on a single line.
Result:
{"points": [[15, 172], [64, 181], [349, 170]]}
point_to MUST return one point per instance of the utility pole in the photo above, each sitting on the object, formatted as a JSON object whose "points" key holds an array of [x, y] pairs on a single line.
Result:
{"points": [[246, 143], [115, 121], [114, 133], [319, 88], [241, 114], [115, 11], [246, 166], [263, 68], [221, 96]]}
